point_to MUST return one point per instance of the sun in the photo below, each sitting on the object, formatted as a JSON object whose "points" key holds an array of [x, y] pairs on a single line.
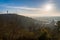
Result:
{"points": [[48, 7]]}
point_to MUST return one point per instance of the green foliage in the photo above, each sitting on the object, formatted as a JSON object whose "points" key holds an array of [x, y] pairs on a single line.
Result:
{"points": [[12, 27]]}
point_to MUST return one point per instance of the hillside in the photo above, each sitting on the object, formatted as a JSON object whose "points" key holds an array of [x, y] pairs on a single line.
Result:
{"points": [[14, 21], [14, 26], [18, 27]]}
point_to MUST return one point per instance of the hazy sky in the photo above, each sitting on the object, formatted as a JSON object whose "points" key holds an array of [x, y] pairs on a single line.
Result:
{"points": [[31, 7]]}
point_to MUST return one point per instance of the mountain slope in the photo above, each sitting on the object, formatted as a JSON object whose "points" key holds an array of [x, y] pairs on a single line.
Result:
{"points": [[15, 22]]}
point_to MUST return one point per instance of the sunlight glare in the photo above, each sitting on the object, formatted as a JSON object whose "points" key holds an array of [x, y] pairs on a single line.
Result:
{"points": [[48, 7]]}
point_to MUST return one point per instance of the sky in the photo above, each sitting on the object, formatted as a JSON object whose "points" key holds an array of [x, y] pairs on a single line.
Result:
{"points": [[31, 8]]}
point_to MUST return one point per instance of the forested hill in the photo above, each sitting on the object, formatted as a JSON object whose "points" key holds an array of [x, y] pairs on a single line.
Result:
{"points": [[17, 27], [16, 22]]}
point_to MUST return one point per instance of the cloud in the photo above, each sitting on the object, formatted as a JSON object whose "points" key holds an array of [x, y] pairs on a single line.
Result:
{"points": [[26, 8], [20, 7], [30, 12], [41, 15]]}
